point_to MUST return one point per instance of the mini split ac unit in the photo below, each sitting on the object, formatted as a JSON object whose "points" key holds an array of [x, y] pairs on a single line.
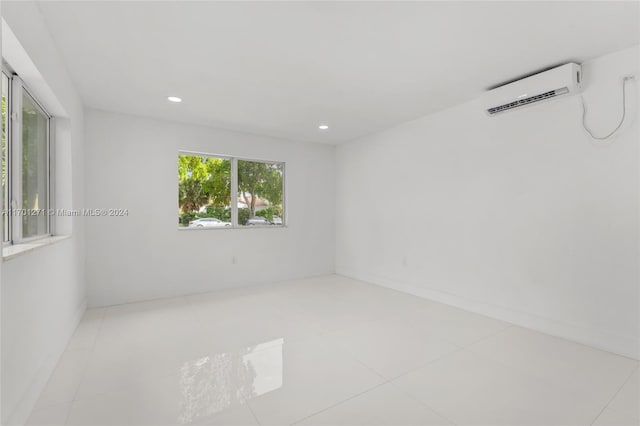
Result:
{"points": [[560, 81]]}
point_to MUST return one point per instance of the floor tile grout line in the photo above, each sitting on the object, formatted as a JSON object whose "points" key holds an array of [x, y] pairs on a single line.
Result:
{"points": [[247, 402], [457, 345], [433, 361], [524, 371], [328, 333], [339, 402], [616, 393], [255, 417], [413, 369], [86, 366], [489, 336], [198, 318], [539, 378], [385, 379], [413, 398], [324, 334], [91, 352], [353, 357], [87, 349], [516, 368], [469, 347], [385, 382], [510, 324]]}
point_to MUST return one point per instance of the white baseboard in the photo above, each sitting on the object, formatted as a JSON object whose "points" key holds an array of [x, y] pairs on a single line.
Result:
{"points": [[600, 339]]}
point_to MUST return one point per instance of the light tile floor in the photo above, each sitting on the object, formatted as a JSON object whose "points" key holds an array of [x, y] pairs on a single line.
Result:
{"points": [[327, 351]]}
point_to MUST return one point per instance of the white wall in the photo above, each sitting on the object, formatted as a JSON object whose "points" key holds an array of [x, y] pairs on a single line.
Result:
{"points": [[521, 216], [131, 163], [1, 233], [43, 291]]}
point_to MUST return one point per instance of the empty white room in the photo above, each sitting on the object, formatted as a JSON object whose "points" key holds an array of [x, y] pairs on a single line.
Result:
{"points": [[320, 213]]}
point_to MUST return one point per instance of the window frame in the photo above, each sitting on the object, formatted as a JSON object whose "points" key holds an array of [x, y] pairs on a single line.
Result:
{"points": [[234, 190], [14, 170], [6, 200]]}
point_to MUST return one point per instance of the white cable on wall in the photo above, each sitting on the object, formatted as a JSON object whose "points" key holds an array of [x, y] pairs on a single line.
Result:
{"points": [[624, 112]]}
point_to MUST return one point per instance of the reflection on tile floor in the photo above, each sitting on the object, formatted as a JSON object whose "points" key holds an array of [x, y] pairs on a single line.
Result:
{"points": [[327, 351]]}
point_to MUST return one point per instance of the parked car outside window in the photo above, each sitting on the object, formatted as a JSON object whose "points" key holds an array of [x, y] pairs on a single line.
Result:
{"points": [[207, 222], [258, 220]]}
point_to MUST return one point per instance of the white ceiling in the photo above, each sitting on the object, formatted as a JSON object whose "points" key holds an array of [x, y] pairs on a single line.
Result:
{"points": [[282, 68]]}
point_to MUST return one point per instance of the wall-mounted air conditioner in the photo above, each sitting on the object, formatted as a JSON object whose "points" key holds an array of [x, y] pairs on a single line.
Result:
{"points": [[560, 81]]}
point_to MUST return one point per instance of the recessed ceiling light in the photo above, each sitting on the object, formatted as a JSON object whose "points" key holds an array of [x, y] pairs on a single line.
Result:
{"points": [[323, 127], [174, 99]]}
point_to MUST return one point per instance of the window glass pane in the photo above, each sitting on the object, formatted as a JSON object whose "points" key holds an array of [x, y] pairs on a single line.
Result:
{"points": [[35, 169], [260, 193], [204, 191], [5, 186]]}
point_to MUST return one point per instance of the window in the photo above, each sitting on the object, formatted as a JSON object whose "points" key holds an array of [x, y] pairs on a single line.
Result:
{"points": [[35, 168], [259, 192], [227, 192], [25, 163], [5, 151]]}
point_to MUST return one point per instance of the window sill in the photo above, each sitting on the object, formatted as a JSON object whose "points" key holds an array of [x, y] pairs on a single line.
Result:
{"points": [[218, 228], [9, 252]]}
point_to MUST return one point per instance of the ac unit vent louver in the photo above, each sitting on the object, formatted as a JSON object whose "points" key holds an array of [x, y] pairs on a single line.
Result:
{"points": [[515, 95], [529, 100]]}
